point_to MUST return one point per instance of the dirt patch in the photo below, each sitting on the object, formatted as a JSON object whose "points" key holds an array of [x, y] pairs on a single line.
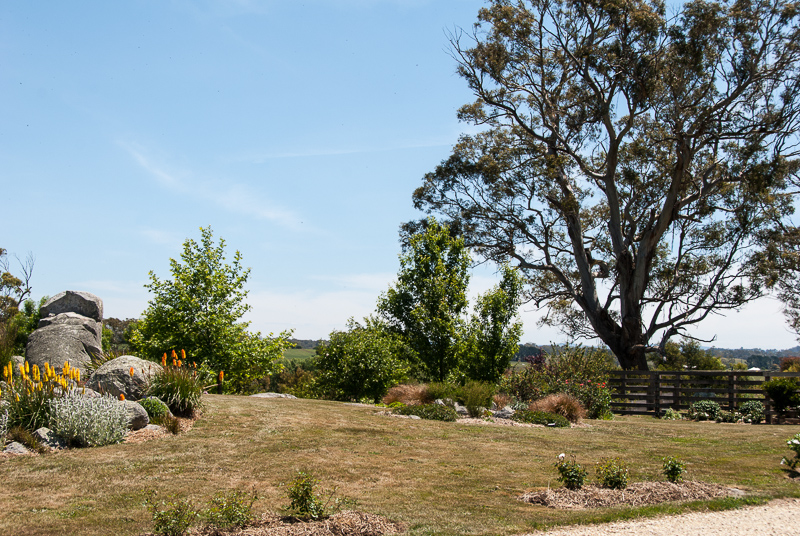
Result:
{"points": [[348, 523], [637, 494]]}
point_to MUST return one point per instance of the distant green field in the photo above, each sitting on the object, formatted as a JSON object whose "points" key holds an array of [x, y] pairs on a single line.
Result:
{"points": [[298, 353]]}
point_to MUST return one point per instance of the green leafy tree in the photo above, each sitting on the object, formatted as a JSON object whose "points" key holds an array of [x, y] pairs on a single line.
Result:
{"points": [[200, 311], [493, 334], [13, 293], [628, 162], [363, 362], [426, 304], [686, 356]]}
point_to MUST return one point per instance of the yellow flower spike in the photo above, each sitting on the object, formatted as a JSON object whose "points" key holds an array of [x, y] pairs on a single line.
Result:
{"points": [[180, 363], [78, 375], [174, 362], [27, 368], [17, 397], [131, 371], [183, 354], [21, 369], [122, 397], [174, 355], [164, 360]]}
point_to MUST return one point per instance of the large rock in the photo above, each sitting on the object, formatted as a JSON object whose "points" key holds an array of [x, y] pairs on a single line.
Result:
{"points": [[74, 319], [137, 415], [114, 377], [71, 301], [64, 338]]}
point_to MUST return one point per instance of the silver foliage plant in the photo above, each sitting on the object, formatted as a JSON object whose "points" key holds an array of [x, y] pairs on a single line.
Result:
{"points": [[88, 422]]}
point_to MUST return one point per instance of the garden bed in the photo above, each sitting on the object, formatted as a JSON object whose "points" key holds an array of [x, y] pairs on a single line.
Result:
{"points": [[636, 494], [348, 523]]}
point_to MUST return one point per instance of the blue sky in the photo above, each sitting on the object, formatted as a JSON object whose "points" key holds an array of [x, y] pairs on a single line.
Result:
{"points": [[296, 130]]}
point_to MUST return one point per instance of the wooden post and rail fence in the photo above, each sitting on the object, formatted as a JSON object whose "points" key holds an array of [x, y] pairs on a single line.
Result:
{"points": [[636, 392]]}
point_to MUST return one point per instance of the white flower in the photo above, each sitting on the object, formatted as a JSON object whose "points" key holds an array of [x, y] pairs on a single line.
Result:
{"points": [[561, 456]]}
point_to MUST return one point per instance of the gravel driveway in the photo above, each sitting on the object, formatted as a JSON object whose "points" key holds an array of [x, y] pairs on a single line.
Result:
{"points": [[780, 517]]}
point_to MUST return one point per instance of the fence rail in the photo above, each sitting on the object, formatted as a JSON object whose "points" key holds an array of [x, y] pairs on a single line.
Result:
{"points": [[651, 392]]}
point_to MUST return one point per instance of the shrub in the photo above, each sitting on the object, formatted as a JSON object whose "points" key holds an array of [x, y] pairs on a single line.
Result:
{"points": [[612, 473], [155, 408], [540, 417], [178, 386], [790, 364], [672, 415], [230, 510], [704, 410], [441, 391], [673, 469], [561, 404], [172, 424], [476, 396], [434, 412], [571, 473], [362, 362], [305, 503], [752, 411], [88, 422], [794, 445], [782, 392], [729, 416], [173, 517], [576, 371]]}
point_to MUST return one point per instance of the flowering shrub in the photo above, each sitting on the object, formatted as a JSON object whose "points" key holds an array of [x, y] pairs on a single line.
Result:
{"points": [[28, 395], [673, 469], [672, 415], [576, 371], [88, 422], [571, 473], [612, 473], [794, 445]]}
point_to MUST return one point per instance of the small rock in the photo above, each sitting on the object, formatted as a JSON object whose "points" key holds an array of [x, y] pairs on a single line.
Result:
{"points": [[414, 417], [16, 448], [273, 395], [137, 415], [153, 427], [461, 410], [46, 437]]}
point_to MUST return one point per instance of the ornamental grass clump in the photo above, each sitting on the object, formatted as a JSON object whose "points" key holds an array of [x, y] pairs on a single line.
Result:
{"points": [[88, 422], [571, 473], [178, 385], [28, 395]]}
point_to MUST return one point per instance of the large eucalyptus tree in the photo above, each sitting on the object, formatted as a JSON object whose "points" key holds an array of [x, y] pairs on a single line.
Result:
{"points": [[626, 159]]}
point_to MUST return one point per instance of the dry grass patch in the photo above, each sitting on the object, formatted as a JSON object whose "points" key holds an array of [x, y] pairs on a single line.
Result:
{"points": [[408, 394]]}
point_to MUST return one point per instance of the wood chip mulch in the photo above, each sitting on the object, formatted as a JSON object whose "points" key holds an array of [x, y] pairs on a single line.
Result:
{"points": [[637, 494], [347, 523]]}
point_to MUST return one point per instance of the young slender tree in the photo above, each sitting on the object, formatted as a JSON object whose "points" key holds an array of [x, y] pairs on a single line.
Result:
{"points": [[425, 305], [627, 160]]}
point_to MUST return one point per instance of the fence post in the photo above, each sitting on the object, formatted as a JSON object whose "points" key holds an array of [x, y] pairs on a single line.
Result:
{"points": [[731, 402], [656, 379], [676, 394], [767, 404]]}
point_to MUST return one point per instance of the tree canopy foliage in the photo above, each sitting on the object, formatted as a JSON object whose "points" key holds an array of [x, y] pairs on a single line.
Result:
{"points": [[628, 162], [200, 311]]}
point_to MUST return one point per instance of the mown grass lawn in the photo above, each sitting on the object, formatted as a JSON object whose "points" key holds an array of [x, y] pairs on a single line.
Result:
{"points": [[444, 478]]}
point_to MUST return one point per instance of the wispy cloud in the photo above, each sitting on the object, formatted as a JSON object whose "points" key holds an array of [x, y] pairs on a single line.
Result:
{"points": [[232, 197]]}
